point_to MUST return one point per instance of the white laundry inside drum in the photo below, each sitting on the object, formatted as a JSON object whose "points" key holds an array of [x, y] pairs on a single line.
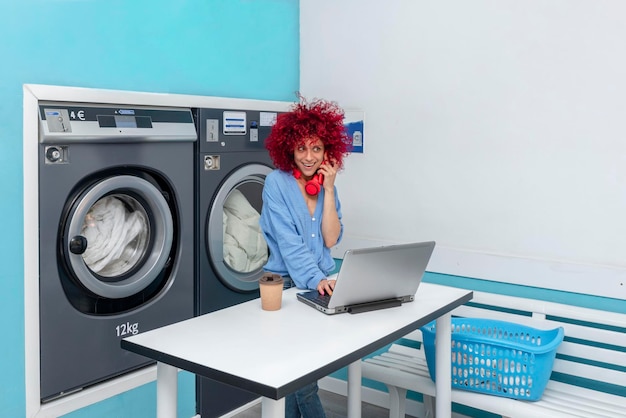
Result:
{"points": [[117, 232], [245, 249]]}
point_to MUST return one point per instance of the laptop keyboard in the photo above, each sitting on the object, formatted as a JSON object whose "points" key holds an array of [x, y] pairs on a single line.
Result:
{"points": [[321, 299]]}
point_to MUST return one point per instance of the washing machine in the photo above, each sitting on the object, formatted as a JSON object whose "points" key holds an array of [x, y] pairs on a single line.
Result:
{"points": [[116, 232], [231, 166]]}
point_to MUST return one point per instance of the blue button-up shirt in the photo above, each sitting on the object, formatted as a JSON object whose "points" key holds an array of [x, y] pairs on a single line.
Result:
{"points": [[293, 236]]}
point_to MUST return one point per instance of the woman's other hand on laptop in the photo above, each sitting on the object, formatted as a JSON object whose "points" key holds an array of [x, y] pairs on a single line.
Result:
{"points": [[326, 286]]}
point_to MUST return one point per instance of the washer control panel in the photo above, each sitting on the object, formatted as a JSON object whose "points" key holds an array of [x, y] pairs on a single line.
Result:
{"points": [[76, 122]]}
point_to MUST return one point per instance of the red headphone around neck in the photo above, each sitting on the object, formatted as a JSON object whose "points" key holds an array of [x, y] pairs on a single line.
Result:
{"points": [[313, 186]]}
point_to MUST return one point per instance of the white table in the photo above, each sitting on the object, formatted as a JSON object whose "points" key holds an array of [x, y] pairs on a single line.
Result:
{"points": [[273, 353]]}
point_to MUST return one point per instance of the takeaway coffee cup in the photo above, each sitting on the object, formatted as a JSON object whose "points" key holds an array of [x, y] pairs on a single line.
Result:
{"points": [[271, 286]]}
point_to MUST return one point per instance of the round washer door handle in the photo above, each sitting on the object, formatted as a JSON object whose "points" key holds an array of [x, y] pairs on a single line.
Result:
{"points": [[78, 244]]}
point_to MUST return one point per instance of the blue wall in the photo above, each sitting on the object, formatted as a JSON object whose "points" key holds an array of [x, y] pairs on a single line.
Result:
{"points": [[230, 48]]}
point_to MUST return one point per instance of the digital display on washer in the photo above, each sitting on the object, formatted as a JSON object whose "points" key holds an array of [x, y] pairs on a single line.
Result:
{"points": [[124, 121]]}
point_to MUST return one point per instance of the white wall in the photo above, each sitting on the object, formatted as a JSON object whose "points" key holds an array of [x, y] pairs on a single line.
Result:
{"points": [[496, 128]]}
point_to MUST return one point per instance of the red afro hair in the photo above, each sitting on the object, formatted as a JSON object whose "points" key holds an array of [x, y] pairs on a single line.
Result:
{"points": [[319, 118]]}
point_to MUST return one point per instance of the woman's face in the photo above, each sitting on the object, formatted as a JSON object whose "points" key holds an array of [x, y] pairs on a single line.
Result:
{"points": [[308, 156]]}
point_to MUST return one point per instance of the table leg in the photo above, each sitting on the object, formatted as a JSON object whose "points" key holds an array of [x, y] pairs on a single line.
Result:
{"points": [[354, 389], [167, 390], [443, 385], [272, 408]]}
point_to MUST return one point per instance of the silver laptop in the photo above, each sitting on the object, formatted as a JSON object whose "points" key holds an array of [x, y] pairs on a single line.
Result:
{"points": [[374, 278]]}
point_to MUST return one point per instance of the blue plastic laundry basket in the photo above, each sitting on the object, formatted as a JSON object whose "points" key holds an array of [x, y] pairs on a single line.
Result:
{"points": [[496, 357]]}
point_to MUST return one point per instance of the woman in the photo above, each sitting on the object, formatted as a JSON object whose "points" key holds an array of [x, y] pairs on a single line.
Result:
{"points": [[301, 214]]}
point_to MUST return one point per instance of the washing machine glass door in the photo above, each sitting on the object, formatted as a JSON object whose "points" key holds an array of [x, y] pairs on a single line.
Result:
{"points": [[118, 236], [236, 245]]}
